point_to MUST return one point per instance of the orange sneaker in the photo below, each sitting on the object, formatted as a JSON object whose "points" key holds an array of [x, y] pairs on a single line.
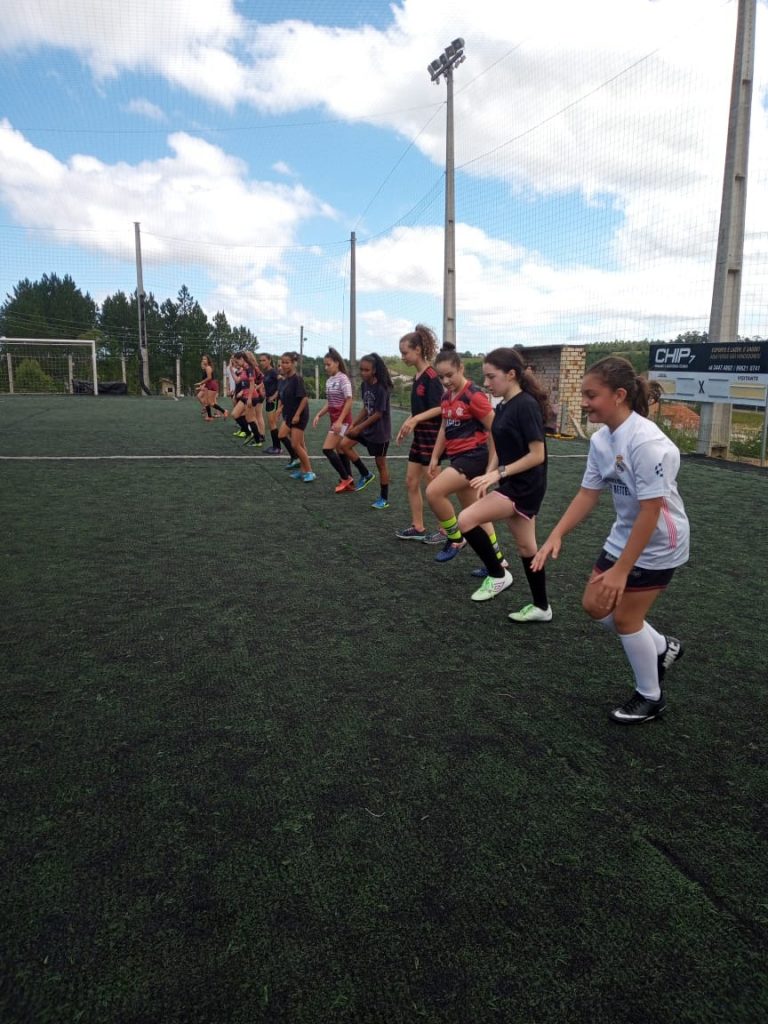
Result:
{"points": [[345, 485]]}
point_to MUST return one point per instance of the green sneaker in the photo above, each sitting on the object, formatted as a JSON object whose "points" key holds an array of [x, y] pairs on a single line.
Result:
{"points": [[530, 613], [292, 464]]}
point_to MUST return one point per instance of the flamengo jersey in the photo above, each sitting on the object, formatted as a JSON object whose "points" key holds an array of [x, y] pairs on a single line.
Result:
{"points": [[638, 461], [462, 417]]}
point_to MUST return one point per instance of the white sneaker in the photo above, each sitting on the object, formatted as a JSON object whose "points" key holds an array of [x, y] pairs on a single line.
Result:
{"points": [[530, 613], [491, 586]]}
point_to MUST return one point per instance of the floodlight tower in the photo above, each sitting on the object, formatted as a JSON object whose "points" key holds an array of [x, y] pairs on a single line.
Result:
{"points": [[442, 67]]}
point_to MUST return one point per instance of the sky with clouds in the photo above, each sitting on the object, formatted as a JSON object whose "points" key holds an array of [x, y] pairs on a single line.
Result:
{"points": [[250, 139]]}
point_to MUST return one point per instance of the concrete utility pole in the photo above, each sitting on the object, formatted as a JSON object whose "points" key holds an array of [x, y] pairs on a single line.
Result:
{"points": [[301, 349], [144, 383], [352, 310], [715, 424], [442, 67]]}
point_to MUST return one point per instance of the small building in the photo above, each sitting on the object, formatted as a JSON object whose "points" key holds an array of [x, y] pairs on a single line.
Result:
{"points": [[167, 388], [560, 368]]}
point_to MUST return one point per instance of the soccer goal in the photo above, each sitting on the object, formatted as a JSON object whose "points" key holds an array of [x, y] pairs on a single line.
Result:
{"points": [[48, 366]]}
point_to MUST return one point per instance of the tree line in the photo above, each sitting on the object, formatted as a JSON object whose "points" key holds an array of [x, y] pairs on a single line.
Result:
{"points": [[54, 307]]}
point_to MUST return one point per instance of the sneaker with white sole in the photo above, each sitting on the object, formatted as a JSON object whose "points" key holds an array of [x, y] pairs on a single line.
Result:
{"points": [[638, 709], [531, 613], [411, 533], [492, 586], [673, 652], [308, 477]]}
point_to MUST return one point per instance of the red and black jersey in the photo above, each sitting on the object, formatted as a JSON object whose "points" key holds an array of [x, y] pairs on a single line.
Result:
{"points": [[462, 418], [248, 377]]}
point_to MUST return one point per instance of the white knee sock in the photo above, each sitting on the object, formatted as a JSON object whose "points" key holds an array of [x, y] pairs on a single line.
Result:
{"points": [[658, 639], [641, 653], [607, 623]]}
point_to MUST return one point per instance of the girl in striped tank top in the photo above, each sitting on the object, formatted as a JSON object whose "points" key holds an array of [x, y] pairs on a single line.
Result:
{"points": [[338, 408]]}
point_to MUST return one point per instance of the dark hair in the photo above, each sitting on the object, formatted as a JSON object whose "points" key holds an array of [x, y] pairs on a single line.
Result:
{"points": [[380, 369], [616, 372], [337, 358], [293, 356], [267, 356], [448, 354], [509, 360], [207, 358], [424, 339]]}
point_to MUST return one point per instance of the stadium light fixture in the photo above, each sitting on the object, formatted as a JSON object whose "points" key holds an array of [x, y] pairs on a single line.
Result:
{"points": [[442, 67]]}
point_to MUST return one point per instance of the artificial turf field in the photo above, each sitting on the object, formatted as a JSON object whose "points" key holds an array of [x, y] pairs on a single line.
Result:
{"points": [[263, 762]]}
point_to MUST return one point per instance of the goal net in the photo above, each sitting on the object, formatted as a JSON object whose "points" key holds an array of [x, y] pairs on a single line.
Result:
{"points": [[46, 366]]}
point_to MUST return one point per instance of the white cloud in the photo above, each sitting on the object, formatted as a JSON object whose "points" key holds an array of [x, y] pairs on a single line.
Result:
{"points": [[198, 191], [145, 108], [622, 105]]}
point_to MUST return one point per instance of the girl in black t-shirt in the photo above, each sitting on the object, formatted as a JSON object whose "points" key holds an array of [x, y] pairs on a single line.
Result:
{"points": [[519, 466], [271, 400], [295, 418], [418, 349]]}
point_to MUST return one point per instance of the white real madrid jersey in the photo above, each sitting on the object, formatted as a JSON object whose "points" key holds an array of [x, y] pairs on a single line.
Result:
{"points": [[638, 461]]}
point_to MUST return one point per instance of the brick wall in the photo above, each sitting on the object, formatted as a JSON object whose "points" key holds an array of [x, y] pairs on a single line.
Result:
{"points": [[560, 368]]}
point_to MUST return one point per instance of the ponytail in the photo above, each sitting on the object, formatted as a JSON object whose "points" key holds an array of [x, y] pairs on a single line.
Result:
{"points": [[616, 372], [379, 369], [424, 339], [508, 360]]}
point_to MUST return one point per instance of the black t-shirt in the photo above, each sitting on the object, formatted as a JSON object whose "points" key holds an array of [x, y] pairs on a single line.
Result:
{"points": [[426, 393], [516, 424], [292, 393], [270, 384]]}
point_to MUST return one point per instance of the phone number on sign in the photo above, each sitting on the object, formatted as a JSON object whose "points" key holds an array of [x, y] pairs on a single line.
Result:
{"points": [[738, 368]]}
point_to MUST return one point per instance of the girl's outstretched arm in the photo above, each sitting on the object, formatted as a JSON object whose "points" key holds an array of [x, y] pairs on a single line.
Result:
{"points": [[576, 513]]}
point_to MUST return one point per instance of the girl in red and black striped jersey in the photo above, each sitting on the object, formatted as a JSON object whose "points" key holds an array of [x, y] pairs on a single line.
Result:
{"points": [[418, 349], [467, 415], [338, 407], [518, 465], [271, 400], [254, 398], [249, 391]]}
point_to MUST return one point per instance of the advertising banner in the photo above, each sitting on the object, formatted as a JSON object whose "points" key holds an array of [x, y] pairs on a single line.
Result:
{"points": [[735, 373]]}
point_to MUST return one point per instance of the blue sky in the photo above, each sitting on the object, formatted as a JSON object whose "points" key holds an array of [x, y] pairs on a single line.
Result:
{"points": [[250, 139]]}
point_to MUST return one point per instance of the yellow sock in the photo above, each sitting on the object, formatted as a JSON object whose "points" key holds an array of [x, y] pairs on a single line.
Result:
{"points": [[451, 528]]}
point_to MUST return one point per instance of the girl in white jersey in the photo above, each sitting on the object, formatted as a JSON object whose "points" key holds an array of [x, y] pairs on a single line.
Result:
{"points": [[649, 538]]}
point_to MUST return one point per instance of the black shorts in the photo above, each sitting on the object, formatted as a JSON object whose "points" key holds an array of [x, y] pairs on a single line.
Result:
{"points": [[271, 404], [375, 448], [303, 420], [419, 458], [639, 578], [470, 464]]}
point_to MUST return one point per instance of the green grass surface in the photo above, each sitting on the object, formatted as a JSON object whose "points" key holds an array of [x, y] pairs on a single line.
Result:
{"points": [[263, 762]]}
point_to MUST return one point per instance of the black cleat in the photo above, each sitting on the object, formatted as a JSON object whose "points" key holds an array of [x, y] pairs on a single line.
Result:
{"points": [[638, 709]]}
